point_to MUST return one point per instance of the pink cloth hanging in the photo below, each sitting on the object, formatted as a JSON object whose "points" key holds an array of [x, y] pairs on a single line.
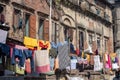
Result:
{"points": [[109, 62], [20, 47], [41, 61]]}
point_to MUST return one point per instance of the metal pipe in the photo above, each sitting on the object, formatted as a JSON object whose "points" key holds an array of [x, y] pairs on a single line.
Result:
{"points": [[50, 20]]}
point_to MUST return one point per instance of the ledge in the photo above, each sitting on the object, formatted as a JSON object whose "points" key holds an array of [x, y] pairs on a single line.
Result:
{"points": [[98, 17]]}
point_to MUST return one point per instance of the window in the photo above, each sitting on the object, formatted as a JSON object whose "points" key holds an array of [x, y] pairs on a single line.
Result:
{"points": [[106, 41], [27, 24], [90, 40], [2, 14], [68, 32], [41, 27], [54, 31], [81, 40], [17, 20], [98, 42], [99, 3]]}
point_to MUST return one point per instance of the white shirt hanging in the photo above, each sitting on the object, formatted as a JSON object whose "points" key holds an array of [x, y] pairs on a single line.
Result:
{"points": [[3, 36]]}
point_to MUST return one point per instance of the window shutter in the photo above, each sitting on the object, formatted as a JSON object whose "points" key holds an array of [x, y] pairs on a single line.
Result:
{"points": [[46, 30], [32, 26]]}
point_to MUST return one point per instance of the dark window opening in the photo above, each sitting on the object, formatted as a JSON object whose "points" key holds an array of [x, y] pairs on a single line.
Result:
{"points": [[90, 40], [68, 32], [81, 40], [2, 14], [98, 42], [17, 19], [27, 24], [41, 27]]}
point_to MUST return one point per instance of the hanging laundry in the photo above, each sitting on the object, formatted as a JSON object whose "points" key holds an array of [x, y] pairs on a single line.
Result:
{"points": [[77, 51], [41, 61], [21, 47], [9, 66], [53, 52], [2, 65], [53, 45], [28, 55], [4, 53], [116, 60], [3, 36], [63, 56], [97, 64], [113, 54], [30, 42], [72, 50], [82, 54], [19, 70], [109, 62], [44, 45], [56, 66], [106, 57], [17, 53], [5, 49], [88, 57], [51, 63], [27, 66], [11, 48], [73, 63], [96, 52]]}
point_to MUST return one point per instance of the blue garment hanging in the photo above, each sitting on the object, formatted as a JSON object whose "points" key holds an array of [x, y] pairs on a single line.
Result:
{"points": [[5, 49], [17, 53], [28, 54]]}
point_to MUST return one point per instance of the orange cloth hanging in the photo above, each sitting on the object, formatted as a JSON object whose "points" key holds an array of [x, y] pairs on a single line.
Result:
{"points": [[56, 65], [27, 66]]}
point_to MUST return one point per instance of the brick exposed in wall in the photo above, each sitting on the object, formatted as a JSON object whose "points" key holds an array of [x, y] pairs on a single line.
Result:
{"points": [[85, 45], [33, 26], [110, 46], [46, 30]]}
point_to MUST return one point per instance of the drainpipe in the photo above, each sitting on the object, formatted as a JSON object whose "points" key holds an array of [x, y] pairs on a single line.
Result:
{"points": [[76, 29], [50, 20], [103, 50]]}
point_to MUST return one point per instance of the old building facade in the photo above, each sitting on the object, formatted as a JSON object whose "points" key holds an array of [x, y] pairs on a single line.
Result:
{"points": [[27, 18], [116, 19], [87, 22]]}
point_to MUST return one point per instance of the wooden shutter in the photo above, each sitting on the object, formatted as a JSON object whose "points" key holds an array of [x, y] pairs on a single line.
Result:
{"points": [[46, 30], [32, 26]]}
